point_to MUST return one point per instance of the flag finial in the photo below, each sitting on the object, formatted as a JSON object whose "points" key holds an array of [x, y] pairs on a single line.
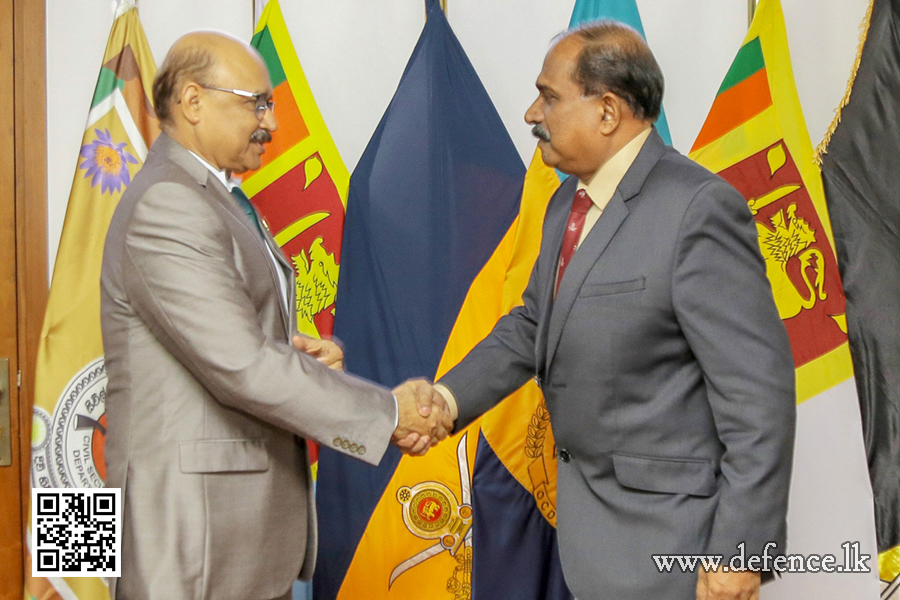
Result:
{"points": [[123, 6]]}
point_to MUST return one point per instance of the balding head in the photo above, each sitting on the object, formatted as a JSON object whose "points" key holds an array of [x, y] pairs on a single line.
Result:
{"points": [[615, 58], [213, 96], [598, 89], [193, 57]]}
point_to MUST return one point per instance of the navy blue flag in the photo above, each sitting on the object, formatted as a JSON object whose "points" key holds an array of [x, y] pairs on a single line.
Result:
{"points": [[435, 193]]}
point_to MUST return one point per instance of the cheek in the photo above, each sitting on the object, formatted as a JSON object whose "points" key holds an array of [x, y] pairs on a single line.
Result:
{"points": [[242, 137], [572, 128]]}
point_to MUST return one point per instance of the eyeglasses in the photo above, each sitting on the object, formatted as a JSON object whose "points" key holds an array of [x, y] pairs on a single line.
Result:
{"points": [[262, 102]]}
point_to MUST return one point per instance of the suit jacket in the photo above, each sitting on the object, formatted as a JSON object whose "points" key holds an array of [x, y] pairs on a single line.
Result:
{"points": [[208, 404], [667, 374]]}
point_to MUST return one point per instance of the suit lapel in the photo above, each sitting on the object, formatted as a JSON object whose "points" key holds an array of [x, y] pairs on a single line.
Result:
{"points": [[582, 262], [596, 242], [288, 272], [218, 192], [264, 242], [554, 227]]}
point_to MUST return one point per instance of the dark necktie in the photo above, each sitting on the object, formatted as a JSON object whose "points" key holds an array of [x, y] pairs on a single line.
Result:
{"points": [[580, 205], [244, 201]]}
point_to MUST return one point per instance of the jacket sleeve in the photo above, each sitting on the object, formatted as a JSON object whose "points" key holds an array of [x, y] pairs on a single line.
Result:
{"points": [[182, 278], [501, 363], [724, 304]]}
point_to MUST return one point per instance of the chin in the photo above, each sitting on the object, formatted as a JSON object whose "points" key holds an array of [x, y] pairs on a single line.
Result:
{"points": [[549, 161], [250, 166]]}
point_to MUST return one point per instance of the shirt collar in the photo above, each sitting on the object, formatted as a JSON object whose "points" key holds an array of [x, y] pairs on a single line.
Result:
{"points": [[220, 175], [602, 185]]}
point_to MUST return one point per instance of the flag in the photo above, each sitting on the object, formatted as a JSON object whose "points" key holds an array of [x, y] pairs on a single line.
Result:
{"points": [[69, 421], [300, 189], [436, 250], [861, 171], [756, 138], [625, 11]]}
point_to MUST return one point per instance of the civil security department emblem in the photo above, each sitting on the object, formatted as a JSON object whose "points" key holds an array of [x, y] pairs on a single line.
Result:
{"points": [[67, 446]]}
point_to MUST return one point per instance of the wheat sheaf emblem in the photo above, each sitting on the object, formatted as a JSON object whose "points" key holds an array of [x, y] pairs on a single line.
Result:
{"points": [[537, 432]]}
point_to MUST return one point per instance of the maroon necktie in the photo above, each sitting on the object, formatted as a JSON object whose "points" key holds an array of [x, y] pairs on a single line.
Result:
{"points": [[575, 224]]}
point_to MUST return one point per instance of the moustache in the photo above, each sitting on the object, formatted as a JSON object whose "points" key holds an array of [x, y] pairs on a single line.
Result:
{"points": [[261, 136], [540, 133]]}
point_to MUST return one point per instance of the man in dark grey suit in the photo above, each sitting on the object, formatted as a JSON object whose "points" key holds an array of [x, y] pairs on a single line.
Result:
{"points": [[209, 404], [651, 328]]}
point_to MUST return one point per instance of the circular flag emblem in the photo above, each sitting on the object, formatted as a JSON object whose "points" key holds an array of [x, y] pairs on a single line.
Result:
{"points": [[67, 446]]}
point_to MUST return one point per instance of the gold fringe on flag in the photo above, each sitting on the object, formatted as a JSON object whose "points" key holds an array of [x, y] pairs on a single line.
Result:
{"points": [[822, 148]]}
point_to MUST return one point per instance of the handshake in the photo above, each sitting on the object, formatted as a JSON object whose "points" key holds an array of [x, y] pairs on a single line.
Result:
{"points": [[424, 418]]}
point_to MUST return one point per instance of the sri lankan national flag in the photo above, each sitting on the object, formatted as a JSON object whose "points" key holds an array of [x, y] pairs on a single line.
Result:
{"points": [[756, 138], [861, 170], [69, 422], [440, 242], [301, 187]]}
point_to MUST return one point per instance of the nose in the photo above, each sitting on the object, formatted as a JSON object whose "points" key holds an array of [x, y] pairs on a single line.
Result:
{"points": [[268, 121], [533, 115]]}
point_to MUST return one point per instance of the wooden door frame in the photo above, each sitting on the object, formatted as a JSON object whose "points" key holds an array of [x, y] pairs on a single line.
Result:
{"points": [[29, 133]]}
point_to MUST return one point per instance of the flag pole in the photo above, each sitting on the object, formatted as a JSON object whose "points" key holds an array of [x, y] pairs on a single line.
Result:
{"points": [[258, 6], [123, 6], [751, 10]]}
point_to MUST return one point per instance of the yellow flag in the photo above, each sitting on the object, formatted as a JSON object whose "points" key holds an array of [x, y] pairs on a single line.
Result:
{"points": [[69, 422]]}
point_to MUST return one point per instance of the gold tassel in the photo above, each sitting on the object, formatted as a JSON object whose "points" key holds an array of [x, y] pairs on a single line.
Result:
{"points": [[822, 148]]}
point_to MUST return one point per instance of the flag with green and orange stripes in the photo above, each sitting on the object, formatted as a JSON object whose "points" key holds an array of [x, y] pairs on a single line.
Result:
{"points": [[301, 187], [756, 138]]}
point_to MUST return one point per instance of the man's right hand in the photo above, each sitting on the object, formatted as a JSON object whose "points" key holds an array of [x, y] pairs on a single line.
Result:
{"points": [[424, 418]]}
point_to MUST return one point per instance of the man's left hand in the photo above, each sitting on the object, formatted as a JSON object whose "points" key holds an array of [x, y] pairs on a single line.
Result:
{"points": [[326, 352], [731, 585]]}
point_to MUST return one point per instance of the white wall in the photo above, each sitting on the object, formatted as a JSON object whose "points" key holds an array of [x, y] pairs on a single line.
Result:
{"points": [[354, 51]]}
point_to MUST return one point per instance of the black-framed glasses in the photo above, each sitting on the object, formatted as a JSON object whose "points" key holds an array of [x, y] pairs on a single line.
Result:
{"points": [[263, 103]]}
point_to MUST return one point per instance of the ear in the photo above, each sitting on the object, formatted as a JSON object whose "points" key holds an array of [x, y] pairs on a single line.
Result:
{"points": [[611, 107], [190, 101]]}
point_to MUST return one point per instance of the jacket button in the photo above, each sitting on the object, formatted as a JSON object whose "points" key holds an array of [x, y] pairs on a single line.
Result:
{"points": [[345, 444], [361, 450], [336, 441], [564, 455], [353, 447]]}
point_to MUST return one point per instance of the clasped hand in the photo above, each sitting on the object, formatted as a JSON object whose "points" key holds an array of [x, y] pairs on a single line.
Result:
{"points": [[424, 417]]}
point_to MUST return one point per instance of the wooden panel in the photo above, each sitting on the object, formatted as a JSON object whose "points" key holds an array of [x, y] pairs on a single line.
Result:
{"points": [[31, 206], [23, 255], [10, 477]]}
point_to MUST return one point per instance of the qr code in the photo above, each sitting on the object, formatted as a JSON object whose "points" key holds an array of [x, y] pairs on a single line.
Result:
{"points": [[76, 532]]}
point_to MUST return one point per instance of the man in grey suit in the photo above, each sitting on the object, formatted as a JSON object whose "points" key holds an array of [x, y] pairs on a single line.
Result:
{"points": [[650, 325], [209, 404]]}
